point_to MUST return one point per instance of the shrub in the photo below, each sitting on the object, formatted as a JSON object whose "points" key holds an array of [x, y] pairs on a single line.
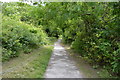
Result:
{"points": [[18, 35]]}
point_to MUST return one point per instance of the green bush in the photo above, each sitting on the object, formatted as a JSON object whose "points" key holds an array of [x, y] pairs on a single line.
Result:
{"points": [[18, 36], [93, 31]]}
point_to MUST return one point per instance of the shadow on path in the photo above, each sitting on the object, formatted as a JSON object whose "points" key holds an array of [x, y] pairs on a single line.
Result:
{"points": [[60, 65]]}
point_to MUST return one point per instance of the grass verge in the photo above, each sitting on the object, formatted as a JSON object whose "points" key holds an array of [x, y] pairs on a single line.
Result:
{"points": [[31, 65]]}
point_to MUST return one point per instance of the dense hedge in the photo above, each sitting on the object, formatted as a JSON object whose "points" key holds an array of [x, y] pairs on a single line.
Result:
{"points": [[19, 36], [96, 34]]}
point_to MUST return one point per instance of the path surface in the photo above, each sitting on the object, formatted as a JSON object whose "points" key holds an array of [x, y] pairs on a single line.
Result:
{"points": [[60, 65]]}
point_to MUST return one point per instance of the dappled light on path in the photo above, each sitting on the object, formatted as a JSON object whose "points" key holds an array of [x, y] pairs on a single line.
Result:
{"points": [[60, 65]]}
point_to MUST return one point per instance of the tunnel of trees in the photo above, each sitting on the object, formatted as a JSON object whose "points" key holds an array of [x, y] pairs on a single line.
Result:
{"points": [[92, 29]]}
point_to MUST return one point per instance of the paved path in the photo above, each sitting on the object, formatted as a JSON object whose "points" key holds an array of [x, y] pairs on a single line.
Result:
{"points": [[60, 65]]}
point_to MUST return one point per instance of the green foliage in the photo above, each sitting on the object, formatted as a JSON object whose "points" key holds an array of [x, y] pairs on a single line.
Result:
{"points": [[18, 36], [97, 36], [92, 29]]}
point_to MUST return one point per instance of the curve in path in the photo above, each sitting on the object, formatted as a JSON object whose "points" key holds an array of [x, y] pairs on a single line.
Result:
{"points": [[60, 65]]}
